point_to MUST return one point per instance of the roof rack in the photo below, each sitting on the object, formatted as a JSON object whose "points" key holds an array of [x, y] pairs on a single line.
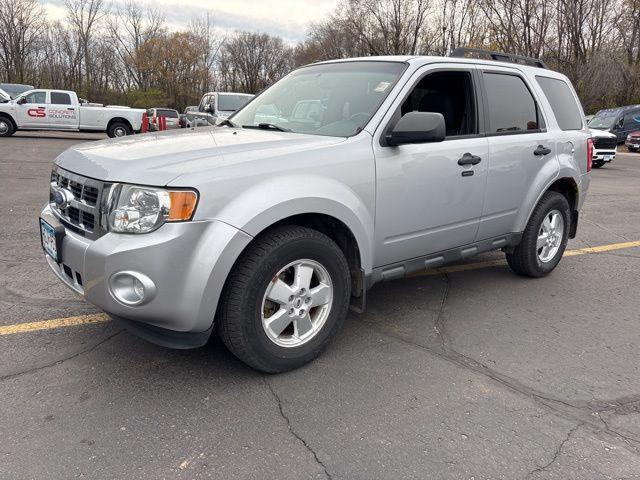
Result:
{"points": [[463, 52]]}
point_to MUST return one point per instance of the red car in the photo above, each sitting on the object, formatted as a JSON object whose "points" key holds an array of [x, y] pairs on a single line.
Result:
{"points": [[633, 141]]}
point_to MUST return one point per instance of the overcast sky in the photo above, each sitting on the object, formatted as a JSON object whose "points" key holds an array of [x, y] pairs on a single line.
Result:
{"points": [[286, 18]]}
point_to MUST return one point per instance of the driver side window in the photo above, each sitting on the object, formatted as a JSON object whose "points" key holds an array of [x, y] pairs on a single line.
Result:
{"points": [[449, 93], [36, 97]]}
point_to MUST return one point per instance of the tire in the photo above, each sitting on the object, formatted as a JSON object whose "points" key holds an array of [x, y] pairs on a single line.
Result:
{"points": [[245, 309], [116, 128], [597, 164], [6, 127], [632, 150], [527, 258]]}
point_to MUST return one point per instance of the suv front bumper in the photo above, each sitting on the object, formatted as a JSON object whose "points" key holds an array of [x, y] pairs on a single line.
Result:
{"points": [[187, 263]]}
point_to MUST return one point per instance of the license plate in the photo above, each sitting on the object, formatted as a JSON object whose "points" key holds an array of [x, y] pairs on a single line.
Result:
{"points": [[606, 158], [51, 240], [636, 145]]}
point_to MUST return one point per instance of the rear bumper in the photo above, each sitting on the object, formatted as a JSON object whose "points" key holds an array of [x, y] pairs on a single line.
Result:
{"points": [[188, 264]]}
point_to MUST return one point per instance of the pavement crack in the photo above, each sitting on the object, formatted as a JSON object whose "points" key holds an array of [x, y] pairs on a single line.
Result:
{"points": [[581, 412], [296, 435], [61, 361], [557, 452], [439, 324]]}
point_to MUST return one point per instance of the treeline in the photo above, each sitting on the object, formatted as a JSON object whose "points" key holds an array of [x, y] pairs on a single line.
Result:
{"points": [[126, 54]]}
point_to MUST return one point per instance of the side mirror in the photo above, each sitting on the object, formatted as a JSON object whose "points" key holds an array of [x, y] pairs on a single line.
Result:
{"points": [[418, 127], [21, 101]]}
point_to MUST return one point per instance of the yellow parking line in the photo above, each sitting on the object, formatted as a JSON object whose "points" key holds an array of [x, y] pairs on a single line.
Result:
{"points": [[101, 317], [54, 323], [496, 263]]}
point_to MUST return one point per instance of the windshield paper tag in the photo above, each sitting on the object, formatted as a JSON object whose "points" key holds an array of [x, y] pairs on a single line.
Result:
{"points": [[382, 86]]}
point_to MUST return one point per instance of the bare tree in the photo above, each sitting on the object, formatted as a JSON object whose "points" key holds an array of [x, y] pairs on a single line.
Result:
{"points": [[84, 17], [21, 22]]}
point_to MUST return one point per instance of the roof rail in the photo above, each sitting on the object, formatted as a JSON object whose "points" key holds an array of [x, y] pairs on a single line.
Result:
{"points": [[463, 52]]}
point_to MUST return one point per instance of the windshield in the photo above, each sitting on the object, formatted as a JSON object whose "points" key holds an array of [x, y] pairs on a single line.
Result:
{"points": [[15, 89], [602, 121], [231, 103], [334, 99], [4, 96]]}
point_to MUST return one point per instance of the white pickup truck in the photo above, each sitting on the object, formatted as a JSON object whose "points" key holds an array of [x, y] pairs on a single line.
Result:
{"points": [[44, 109]]}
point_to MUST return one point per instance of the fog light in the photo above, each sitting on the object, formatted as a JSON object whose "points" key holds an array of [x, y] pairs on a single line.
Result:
{"points": [[131, 288]]}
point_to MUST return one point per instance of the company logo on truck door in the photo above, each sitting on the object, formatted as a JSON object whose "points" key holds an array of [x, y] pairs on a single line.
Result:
{"points": [[36, 112]]}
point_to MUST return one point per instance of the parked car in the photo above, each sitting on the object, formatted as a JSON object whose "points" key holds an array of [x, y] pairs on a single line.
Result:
{"points": [[184, 119], [604, 147], [61, 110], [633, 141], [217, 106], [268, 232], [619, 121], [170, 116], [15, 89]]}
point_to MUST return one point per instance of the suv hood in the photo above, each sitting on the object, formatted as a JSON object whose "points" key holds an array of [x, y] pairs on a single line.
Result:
{"points": [[596, 133], [157, 159]]}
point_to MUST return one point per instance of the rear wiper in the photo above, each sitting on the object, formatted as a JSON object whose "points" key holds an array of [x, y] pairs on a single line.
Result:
{"points": [[268, 126]]}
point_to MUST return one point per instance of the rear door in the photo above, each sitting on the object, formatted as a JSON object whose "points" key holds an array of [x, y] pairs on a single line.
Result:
{"points": [[62, 113], [519, 148], [33, 113]]}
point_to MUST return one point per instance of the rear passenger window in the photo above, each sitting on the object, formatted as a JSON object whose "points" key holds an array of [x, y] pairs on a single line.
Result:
{"points": [[512, 108], [563, 103], [58, 98]]}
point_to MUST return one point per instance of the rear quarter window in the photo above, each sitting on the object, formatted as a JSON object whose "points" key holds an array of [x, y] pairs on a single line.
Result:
{"points": [[168, 113], [563, 103]]}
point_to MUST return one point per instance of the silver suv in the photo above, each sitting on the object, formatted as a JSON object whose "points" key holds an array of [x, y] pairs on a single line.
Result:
{"points": [[345, 173]]}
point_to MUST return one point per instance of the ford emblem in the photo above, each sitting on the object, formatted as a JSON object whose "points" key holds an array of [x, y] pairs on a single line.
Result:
{"points": [[62, 197]]}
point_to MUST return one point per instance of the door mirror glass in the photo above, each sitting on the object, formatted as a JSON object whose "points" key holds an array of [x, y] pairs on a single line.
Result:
{"points": [[418, 127]]}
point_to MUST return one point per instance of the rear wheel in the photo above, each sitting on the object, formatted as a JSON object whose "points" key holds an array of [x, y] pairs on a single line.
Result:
{"points": [[285, 299], [544, 239], [119, 129], [6, 127]]}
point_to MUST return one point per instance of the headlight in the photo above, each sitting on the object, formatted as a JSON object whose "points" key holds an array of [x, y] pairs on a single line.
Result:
{"points": [[134, 209]]}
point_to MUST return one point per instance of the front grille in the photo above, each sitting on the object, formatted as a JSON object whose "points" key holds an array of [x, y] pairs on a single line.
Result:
{"points": [[82, 214], [605, 143], [634, 139]]}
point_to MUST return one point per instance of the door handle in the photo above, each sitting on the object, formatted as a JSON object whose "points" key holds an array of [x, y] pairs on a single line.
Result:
{"points": [[541, 150], [70, 108], [468, 159]]}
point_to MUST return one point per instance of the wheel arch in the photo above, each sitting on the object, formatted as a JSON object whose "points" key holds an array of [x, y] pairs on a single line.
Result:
{"points": [[568, 187], [119, 120]]}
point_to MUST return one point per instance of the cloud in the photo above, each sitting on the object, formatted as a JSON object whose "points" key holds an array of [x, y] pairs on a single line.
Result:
{"points": [[288, 19]]}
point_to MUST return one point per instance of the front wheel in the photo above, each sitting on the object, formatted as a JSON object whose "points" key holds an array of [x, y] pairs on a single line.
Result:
{"points": [[6, 127], [119, 129], [285, 299], [544, 239]]}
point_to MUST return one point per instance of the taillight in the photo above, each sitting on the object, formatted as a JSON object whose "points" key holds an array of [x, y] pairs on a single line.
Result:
{"points": [[589, 153]]}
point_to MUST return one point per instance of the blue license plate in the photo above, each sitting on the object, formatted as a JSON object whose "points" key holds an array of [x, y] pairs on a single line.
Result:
{"points": [[50, 241]]}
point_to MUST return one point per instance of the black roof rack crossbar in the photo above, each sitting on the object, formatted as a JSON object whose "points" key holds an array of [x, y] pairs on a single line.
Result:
{"points": [[462, 52]]}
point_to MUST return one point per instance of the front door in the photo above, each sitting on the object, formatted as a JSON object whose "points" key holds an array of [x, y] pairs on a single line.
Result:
{"points": [[426, 201], [33, 113]]}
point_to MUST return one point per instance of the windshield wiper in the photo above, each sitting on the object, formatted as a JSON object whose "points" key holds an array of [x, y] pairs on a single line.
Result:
{"points": [[267, 126], [227, 123]]}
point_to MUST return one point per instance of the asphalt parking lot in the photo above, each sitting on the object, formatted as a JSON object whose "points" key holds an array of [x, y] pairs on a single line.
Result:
{"points": [[465, 373]]}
